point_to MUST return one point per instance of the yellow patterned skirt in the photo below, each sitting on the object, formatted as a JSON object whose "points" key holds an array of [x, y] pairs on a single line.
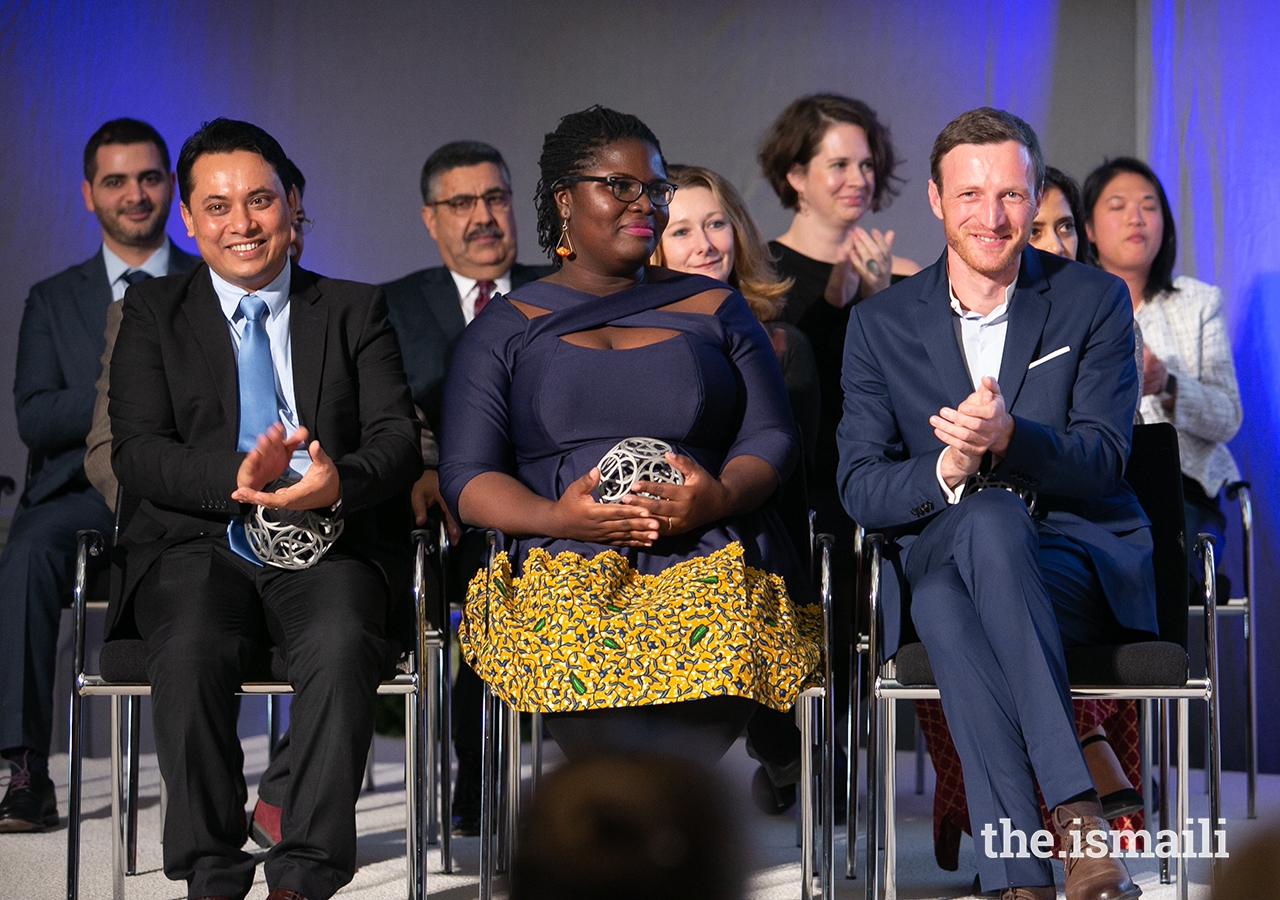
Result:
{"points": [[575, 634]]}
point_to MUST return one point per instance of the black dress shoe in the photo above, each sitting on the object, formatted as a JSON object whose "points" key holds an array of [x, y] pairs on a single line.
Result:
{"points": [[768, 797], [29, 804]]}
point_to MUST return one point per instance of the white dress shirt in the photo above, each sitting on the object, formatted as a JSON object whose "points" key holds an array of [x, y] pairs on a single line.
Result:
{"points": [[468, 292], [157, 265], [276, 296], [982, 346]]}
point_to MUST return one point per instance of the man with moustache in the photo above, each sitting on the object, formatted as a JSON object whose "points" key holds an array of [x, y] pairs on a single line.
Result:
{"points": [[996, 470], [252, 382], [128, 186], [466, 206]]}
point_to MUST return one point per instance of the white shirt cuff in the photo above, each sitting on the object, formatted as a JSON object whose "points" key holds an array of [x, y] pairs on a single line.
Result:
{"points": [[953, 496]]}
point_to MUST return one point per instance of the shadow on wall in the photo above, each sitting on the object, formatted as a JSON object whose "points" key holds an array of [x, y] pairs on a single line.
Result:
{"points": [[1257, 358]]}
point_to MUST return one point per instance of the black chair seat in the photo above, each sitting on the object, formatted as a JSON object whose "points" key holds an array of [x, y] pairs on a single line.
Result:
{"points": [[125, 662], [1147, 664]]}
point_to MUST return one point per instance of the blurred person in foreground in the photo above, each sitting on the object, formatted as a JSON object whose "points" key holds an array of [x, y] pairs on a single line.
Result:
{"points": [[630, 828]]}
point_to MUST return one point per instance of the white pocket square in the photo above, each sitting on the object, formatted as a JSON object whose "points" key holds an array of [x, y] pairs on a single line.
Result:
{"points": [[1048, 356]]}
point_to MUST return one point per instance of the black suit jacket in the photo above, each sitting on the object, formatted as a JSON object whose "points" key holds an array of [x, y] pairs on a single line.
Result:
{"points": [[60, 346], [174, 405], [426, 311]]}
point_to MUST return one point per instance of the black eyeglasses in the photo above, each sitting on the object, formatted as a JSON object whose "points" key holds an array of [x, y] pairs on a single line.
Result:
{"points": [[498, 199], [628, 190]]}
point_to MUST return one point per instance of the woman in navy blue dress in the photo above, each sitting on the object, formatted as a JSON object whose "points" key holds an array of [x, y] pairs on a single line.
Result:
{"points": [[669, 615]]}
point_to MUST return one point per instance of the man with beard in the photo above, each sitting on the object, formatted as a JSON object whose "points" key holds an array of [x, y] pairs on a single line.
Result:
{"points": [[128, 185], [996, 471], [466, 206]]}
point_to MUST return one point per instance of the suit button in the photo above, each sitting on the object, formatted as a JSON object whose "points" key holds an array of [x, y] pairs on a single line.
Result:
{"points": [[928, 506]]}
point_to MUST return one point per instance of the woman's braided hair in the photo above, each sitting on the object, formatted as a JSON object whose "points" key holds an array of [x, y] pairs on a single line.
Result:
{"points": [[570, 150]]}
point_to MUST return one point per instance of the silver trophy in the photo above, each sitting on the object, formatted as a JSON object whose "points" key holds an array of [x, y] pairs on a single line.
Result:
{"points": [[631, 460]]}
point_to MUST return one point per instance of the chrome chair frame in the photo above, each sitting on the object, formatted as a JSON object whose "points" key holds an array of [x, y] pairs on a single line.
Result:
{"points": [[816, 714], [124, 765], [1242, 606], [881, 878]]}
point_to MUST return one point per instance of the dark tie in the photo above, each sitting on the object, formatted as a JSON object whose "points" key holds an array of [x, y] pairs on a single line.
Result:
{"points": [[258, 407], [484, 290], [133, 276]]}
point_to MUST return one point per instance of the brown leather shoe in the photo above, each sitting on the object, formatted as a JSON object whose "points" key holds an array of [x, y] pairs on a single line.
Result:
{"points": [[1104, 878], [1029, 893], [285, 894]]}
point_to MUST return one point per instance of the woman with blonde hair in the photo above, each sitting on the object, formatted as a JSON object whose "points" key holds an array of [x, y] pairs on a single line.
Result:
{"points": [[711, 233]]}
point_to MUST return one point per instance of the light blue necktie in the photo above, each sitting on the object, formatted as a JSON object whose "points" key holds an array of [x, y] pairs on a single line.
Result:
{"points": [[258, 406]]}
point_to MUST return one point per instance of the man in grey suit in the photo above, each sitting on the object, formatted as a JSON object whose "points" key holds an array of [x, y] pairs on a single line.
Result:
{"points": [[128, 185], [466, 206]]}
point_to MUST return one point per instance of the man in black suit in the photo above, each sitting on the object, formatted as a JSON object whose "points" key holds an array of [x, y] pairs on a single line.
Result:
{"points": [[253, 382], [466, 206], [129, 187]]}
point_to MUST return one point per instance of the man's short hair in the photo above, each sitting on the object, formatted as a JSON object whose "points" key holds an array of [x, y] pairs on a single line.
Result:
{"points": [[121, 131], [985, 125], [291, 176], [227, 136], [457, 154]]}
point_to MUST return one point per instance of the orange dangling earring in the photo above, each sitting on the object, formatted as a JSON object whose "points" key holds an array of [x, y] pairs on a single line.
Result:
{"points": [[564, 247]]}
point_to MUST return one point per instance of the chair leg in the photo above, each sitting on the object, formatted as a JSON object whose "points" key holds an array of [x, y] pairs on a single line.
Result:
{"points": [[428, 673], [1146, 742], [133, 732], [74, 776], [874, 790], [890, 800], [535, 752], [117, 802], [918, 743], [274, 702], [414, 849], [1162, 727], [805, 711], [1184, 798], [1251, 710], [488, 771], [512, 806], [853, 720], [446, 750], [827, 792]]}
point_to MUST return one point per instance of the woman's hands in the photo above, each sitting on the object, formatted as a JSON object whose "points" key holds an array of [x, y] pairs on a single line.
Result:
{"points": [[679, 508], [865, 266], [577, 516]]}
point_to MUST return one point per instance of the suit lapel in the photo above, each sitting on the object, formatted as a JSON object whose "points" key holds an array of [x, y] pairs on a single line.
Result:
{"points": [[1027, 315], [440, 292], [209, 325], [308, 328], [93, 298], [935, 322]]}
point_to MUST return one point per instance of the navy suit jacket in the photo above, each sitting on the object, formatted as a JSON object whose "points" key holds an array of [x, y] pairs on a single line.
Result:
{"points": [[60, 346], [175, 413], [1073, 416], [426, 312]]}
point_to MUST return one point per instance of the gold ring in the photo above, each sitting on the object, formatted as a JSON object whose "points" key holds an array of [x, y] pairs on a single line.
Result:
{"points": [[670, 527]]}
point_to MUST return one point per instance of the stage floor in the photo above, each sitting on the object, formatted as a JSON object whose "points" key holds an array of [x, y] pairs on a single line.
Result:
{"points": [[33, 866]]}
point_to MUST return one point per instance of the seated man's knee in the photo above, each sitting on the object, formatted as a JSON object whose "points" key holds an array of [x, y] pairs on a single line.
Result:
{"points": [[996, 516], [938, 604]]}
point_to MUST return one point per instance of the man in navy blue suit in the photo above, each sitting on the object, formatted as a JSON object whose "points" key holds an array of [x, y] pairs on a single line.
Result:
{"points": [[466, 206], [987, 418], [128, 185]]}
